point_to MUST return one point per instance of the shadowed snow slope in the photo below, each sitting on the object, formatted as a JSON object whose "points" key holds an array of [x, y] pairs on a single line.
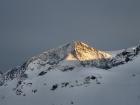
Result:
{"points": [[74, 74]]}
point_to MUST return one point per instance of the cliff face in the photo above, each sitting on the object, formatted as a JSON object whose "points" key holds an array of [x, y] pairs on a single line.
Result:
{"points": [[83, 52]]}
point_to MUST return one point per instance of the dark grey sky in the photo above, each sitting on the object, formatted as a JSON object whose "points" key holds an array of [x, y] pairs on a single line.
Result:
{"points": [[28, 27]]}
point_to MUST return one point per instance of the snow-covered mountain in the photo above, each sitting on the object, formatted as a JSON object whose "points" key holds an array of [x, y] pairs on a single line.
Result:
{"points": [[74, 73]]}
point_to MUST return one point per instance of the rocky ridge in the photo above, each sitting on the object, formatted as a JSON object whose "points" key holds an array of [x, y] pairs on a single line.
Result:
{"points": [[82, 54]]}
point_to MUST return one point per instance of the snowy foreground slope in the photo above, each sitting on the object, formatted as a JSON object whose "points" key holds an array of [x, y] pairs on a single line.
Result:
{"points": [[55, 80]]}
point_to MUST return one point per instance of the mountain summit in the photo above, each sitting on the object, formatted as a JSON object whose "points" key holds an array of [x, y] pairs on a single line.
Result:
{"points": [[74, 51], [84, 52]]}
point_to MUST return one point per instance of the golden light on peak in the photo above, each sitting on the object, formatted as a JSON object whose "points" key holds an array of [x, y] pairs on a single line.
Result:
{"points": [[83, 52]]}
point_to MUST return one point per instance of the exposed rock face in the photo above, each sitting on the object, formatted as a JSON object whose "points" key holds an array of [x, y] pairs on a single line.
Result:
{"points": [[83, 52]]}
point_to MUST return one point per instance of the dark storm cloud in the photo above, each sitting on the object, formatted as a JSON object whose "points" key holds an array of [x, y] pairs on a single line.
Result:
{"points": [[28, 27]]}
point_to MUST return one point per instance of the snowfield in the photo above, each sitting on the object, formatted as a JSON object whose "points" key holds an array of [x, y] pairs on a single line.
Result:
{"points": [[39, 82]]}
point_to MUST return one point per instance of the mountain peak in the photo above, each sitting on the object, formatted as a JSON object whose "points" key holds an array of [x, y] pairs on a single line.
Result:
{"points": [[74, 51], [82, 52]]}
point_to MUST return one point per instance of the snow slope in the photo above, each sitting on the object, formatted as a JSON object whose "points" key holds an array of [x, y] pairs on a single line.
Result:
{"points": [[39, 82]]}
